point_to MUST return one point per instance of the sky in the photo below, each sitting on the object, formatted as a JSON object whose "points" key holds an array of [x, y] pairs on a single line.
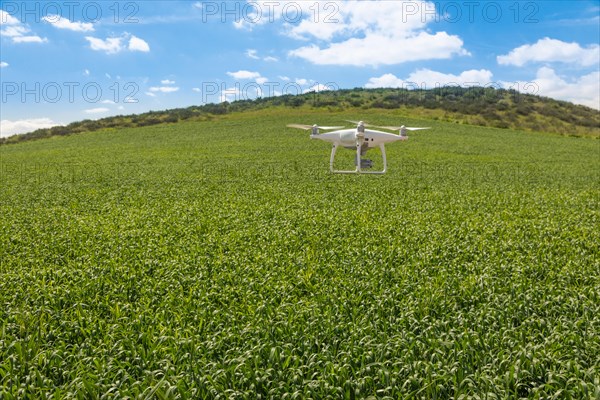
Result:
{"points": [[67, 61]]}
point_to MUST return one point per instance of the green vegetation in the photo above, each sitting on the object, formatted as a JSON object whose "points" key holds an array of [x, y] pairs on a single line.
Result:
{"points": [[220, 259], [474, 106]]}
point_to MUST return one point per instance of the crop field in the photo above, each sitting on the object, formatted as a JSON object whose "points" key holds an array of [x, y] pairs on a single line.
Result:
{"points": [[221, 259]]}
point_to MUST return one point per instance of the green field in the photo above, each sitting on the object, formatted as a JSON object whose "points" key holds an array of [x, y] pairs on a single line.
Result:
{"points": [[221, 259]]}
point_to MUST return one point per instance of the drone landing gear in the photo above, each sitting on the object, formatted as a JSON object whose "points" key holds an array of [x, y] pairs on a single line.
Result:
{"points": [[360, 164]]}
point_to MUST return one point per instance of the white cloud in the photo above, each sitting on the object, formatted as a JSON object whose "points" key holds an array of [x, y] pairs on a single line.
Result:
{"points": [[385, 81], [113, 45], [150, 94], [7, 19], [29, 39], [137, 44], [3, 64], [247, 75], [197, 90], [86, 72], [318, 88], [18, 34], [428, 79], [372, 34], [244, 74], [98, 110], [14, 31], [109, 45], [383, 49], [239, 25], [356, 32], [552, 50], [164, 89], [584, 90], [167, 82], [64, 23], [230, 94], [11, 27], [251, 53], [284, 78], [356, 18], [9, 128], [579, 22], [301, 81]]}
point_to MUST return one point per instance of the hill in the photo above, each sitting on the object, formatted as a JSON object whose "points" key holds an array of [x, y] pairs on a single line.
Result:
{"points": [[498, 108], [220, 259]]}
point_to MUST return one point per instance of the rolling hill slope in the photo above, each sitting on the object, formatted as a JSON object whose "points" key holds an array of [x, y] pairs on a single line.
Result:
{"points": [[474, 106], [217, 256]]}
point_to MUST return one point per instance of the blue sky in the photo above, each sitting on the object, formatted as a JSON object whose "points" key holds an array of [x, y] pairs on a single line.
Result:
{"points": [[67, 61]]}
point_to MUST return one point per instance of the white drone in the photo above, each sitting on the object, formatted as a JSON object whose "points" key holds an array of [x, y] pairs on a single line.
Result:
{"points": [[359, 139]]}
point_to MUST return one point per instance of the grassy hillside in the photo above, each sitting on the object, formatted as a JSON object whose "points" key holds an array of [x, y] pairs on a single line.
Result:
{"points": [[474, 106], [221, 259]]}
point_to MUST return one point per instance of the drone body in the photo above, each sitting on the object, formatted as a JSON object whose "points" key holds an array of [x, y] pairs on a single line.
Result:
{"points": [[358, 139]]}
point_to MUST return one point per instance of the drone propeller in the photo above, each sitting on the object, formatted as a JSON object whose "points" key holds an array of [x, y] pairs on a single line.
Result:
{"points": [[307, 127], [359, 122], [391, 128], [399, 128], [300, 126]]}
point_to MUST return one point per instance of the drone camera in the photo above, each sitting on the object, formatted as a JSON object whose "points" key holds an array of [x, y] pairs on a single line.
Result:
{"points": [[366, 163]]}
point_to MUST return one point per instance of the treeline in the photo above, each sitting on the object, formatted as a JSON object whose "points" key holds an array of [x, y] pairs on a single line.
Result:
{"points": [[476, 106]]}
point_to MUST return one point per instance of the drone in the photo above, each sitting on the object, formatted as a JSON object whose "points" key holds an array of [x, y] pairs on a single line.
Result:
{"points": [[358, 139]]}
